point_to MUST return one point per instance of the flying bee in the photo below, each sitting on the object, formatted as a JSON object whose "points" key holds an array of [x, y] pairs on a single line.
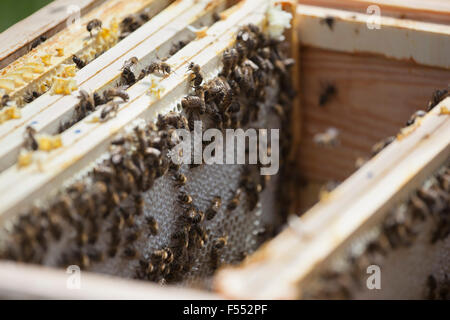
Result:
{"points": [[180, 179], [184, 198], [215, 206], [30, 140], [109, 111], [196, 77], [130, 253], [234, 202], [153, 225], [78, 62], [93, 24], [328, 92]]}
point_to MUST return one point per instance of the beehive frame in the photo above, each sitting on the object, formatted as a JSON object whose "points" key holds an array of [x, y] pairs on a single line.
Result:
{"points": [[315, 248]]}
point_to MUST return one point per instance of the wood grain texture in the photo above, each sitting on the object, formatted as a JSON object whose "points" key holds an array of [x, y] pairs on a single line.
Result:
{"points": [[375, 97], [437, 11], [17, 40]]}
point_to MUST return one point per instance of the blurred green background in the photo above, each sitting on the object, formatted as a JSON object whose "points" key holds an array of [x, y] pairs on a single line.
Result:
{"points": [[12, 11]]}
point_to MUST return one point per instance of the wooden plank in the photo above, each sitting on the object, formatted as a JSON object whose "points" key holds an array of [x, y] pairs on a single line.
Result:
{"points": [[17, 39], [47, 111], [361, 201], [435, 11], [421, 42], [21, 281], [375, 96], [73, 41], [86, 141]]}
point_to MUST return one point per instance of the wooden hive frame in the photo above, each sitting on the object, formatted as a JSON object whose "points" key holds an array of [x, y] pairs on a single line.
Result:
{"points": [[402, 166]]}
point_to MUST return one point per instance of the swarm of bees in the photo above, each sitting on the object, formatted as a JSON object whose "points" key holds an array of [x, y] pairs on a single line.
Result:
{"points": [[111, 203]]}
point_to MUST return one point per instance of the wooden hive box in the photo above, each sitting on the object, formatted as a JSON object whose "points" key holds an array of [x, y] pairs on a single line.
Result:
{"points": [[358, 79]]}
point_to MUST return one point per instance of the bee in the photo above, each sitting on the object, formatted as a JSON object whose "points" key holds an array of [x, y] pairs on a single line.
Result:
{"points": [[196, 77], [220, 91], [198, 236], [184, 198], [193, 105], [327, 138], [215, 206], [153, 225], [242, 52], [29, 97], [437, 97], [133, 236], [161, 255], [87, 102], [92, 25], [229, 59], [234, 202], [38, 41], [172, 119], [382, 144], [95, 255], [5, 99], [109, 111], [78, 62], [139, 204], [193, 215], [130, 63], [130, 253], [128, 76], [177, 47], [180, 179], [220, 243], [30, 140], [328, 92], [416, 115], [329, 21], [160, 68], [132, 23]]}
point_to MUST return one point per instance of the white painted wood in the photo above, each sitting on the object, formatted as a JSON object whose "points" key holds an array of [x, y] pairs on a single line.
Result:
{"points": [[425, 43], [154, 38], [357, 203], [86, 141]]}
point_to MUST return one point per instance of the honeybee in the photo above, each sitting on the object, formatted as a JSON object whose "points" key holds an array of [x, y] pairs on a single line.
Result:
{"points": [[417, 114], [139, 204], [130, 63], [328, 92], [160, 68], [437, 97], [193, 215], [87, 102], [130, 253], [38, 41], [234, 202], [184, 198], [78, 62], [194, 106], [153, 225], [177, 47], [382, 144], [109, 111], [196, 78], [93, 24], [229, 59], [128, 76], [30, 140], [133, 236], [180, 179], [132, 23], [212, 211], [220, 243]]}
